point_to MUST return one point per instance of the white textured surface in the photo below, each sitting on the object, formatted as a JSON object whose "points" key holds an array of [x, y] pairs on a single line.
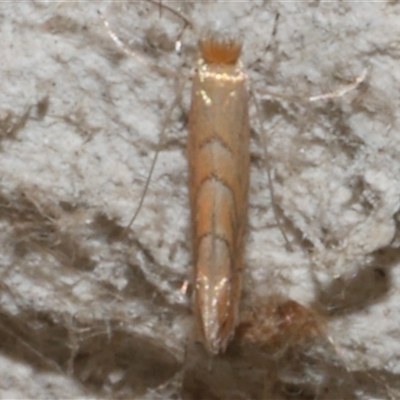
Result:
{"points": [[78, 300]]}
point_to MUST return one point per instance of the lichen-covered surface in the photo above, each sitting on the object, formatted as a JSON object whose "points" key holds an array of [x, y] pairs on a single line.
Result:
{"points": [[90, 311]]}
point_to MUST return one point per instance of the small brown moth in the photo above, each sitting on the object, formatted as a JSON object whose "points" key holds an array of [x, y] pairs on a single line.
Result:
{"points": [[219, 169], [218, 154]]}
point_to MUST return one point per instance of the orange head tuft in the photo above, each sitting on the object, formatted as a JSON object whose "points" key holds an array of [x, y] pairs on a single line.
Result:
{"points": [[226, 51]]}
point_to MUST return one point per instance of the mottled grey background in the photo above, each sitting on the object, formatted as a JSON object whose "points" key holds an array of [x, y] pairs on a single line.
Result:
{"points": [[87, 313]]}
